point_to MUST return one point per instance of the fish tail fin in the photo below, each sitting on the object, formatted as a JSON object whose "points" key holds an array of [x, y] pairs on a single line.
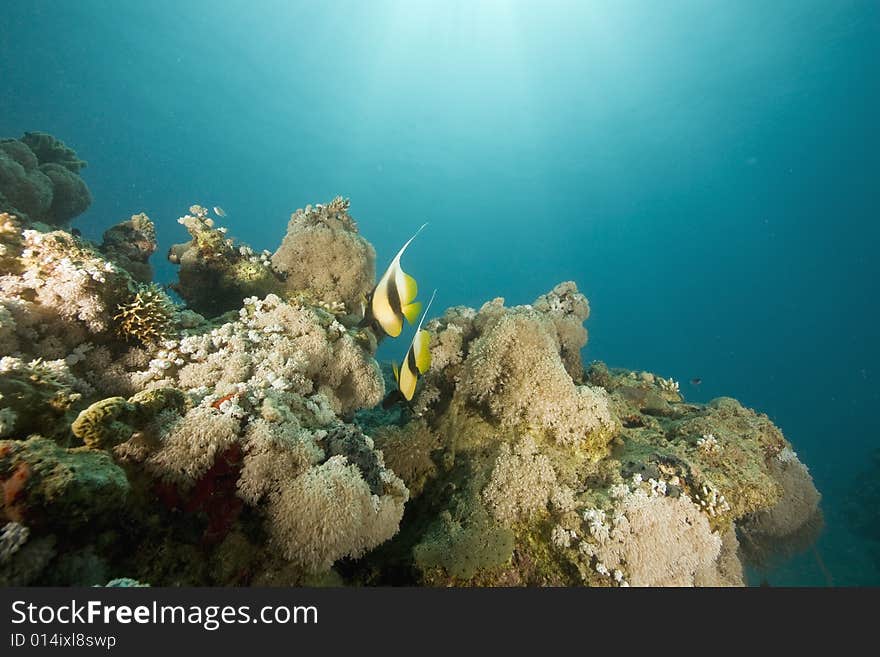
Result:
{"points": [[411, 311]]}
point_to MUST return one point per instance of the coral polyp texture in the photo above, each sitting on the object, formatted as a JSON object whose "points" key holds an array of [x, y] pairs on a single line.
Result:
{"points": [[236, 439], [323, 255]]}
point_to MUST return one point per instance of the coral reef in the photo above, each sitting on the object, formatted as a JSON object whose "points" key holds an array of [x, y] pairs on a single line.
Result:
{"points": [[237, 440], [39, 180], [512, 366], [48, 486], [520, 483]]}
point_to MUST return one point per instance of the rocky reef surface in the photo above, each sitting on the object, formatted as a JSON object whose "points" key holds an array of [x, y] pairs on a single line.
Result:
{"points": [[237, 439]]}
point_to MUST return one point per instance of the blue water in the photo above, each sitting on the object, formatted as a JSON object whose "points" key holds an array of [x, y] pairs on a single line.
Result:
{"points": [[708, 172]]}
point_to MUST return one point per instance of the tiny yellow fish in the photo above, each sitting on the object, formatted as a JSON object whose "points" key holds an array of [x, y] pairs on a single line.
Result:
{"points": [[393, 298]]}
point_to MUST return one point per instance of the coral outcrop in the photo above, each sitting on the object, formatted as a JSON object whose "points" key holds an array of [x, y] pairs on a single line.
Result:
{"points": [[129, 244], [231, 435], [322, 255], [237, 439], [215, 274], [526, 470], [39, 180]]}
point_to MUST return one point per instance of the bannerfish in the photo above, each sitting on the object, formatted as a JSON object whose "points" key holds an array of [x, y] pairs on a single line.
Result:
{"points": [[417, 361], [696, 381], [220, 212], [393, 298]]}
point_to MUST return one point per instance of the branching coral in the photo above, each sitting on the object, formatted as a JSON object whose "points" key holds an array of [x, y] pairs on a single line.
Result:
{"points": [[147, 317], [323, 254]]}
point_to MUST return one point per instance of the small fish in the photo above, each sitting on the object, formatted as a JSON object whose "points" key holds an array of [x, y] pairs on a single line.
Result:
{"points": [[217, 404], [416, 362], [76, 232], [696, 381], [393, 298], [220, 212]]}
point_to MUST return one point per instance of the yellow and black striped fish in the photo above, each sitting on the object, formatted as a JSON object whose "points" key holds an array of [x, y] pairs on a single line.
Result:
{"points": [[394, 296], [416, 362]]}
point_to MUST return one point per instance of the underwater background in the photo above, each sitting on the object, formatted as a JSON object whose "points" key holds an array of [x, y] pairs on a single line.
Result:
{"points": [[706, 172]]}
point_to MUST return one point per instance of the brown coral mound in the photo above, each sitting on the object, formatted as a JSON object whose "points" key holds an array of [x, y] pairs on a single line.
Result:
{"points": [[790, 525], [329, 512], [323, 255], [515, 365]]}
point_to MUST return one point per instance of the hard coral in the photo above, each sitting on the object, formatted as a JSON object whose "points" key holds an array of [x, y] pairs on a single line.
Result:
{"points": [[147, 317], [35, 396], [59, 288], [39, 180], [112, 421]]}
